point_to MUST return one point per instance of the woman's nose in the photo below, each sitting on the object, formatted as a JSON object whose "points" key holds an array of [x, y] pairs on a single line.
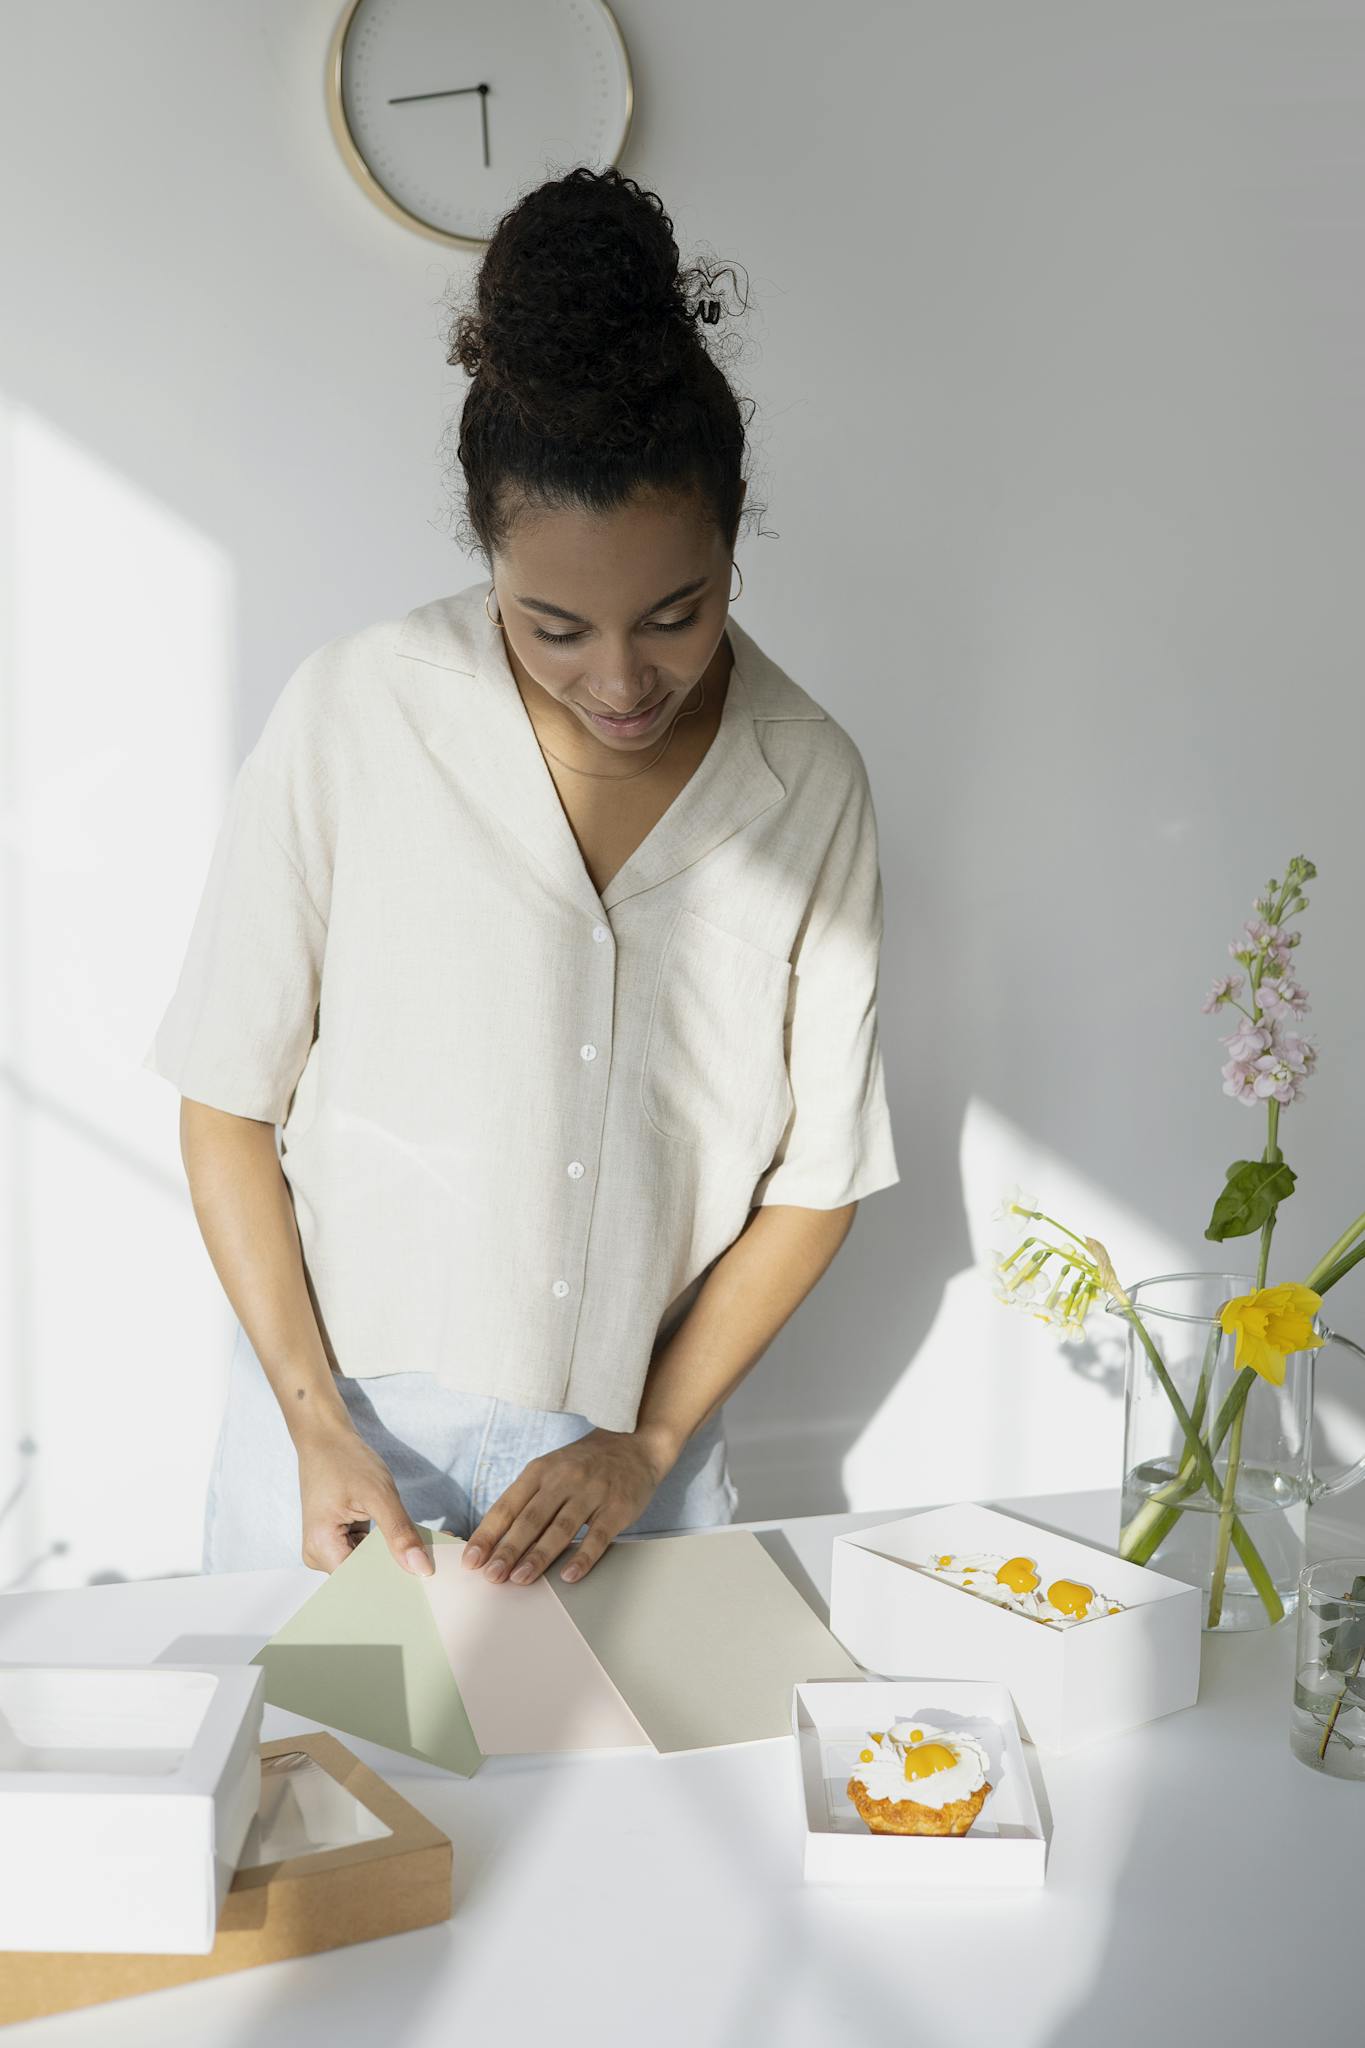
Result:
{"points": [[619, 692]]}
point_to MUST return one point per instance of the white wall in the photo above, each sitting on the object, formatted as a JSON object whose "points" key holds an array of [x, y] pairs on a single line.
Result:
{"points": [[1056, 341]]}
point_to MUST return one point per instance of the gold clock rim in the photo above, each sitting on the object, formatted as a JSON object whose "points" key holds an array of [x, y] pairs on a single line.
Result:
{"points": [[354, 160]]}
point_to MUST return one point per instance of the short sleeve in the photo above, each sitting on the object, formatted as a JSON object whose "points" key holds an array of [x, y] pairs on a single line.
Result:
{"points": [[837, 1146], [240, 1024]]}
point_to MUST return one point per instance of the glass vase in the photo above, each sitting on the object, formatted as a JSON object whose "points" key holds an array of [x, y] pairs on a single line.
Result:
{"points": [[1178, 1515]]}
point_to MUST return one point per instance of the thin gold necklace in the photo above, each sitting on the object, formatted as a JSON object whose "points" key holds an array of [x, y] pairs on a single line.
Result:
{"points": [[601, 775]]}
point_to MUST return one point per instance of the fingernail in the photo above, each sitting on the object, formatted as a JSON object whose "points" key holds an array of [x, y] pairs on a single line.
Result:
{"points": [[417, 1561], [572, 1571], [497, 1570], [522, 1573], [473, 1555]]}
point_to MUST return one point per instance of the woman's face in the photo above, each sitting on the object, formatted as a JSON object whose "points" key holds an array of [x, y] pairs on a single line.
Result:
{"points": [[615, 615]]}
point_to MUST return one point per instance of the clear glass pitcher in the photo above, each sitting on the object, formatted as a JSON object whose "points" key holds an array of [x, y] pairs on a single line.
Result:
{"points": [[1172, 1499]]}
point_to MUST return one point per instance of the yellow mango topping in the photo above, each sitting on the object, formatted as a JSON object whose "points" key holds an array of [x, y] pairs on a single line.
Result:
{"points": [[875, 1736], [1070, 1598], [864, 1756], [917, 1735], [929, 1758], [1019, 1574], [944, 1562]]}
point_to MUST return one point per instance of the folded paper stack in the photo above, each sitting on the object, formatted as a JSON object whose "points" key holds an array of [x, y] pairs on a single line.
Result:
{"points": [[670, 1643]]}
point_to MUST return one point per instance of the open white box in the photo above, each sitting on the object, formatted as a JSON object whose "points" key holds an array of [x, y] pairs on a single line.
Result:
{"points": [[1069, 1685], [1006, 1844], [125, 1798]]}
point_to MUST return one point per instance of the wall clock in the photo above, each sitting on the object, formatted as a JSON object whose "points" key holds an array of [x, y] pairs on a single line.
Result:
{"points": [[445, 110]]}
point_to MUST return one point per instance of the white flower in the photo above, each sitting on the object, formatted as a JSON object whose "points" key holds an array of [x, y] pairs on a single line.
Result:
{"points": [[1014, 1202]]}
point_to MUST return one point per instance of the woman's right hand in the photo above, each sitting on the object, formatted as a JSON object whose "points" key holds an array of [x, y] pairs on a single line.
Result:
{"points": [[344, 1485]]}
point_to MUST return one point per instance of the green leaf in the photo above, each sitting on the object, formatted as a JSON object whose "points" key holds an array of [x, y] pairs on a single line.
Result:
{"points": [[1255, 1188], [1343, 1644]]}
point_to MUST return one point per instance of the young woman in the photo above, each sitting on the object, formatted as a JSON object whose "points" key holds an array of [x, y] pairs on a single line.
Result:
{"points": [[544, 923]]}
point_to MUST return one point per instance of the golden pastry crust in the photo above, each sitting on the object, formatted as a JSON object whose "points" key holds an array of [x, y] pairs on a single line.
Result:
{"points": [[908, 1817]]}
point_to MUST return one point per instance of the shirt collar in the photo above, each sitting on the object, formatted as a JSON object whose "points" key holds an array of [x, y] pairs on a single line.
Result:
{"points": [[488, 738]]}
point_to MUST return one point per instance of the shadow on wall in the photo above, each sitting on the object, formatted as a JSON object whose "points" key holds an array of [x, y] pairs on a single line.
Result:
{"points": [[990, 1401]]}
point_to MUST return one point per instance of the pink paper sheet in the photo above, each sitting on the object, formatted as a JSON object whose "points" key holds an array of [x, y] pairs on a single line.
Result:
{"points": [[529, 1682]]}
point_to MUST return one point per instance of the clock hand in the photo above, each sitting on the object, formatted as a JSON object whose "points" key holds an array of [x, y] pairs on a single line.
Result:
{"points": [[451, 92]]}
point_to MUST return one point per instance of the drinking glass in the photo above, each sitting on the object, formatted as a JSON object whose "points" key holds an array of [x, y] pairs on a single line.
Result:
{"points": [[1327, 1725]]}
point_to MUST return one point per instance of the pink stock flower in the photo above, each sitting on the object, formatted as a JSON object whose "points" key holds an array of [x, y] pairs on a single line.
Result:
{"points": [[1224, 990], [1300, 1053], [1246, 1042], [1275, 1076], [1239, 1080], [1281, 998]]}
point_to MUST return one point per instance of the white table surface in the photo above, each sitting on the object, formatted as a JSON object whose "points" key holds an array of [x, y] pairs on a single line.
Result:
{"points": [[1203, 1886]]}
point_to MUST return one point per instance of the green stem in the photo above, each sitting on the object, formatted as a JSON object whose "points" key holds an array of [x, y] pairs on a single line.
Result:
{"points": [[1246, 1549], [1220, 1564], [1339, 1270], [1148, 1528], [1225, 1514], [1330, 1258], [1346, 1685]]}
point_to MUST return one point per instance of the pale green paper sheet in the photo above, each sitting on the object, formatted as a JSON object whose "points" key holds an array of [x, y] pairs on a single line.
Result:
{"points": [[362, 1655], [702, 1635]]}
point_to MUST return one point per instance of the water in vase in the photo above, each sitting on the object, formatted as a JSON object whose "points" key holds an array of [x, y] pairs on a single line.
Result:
{"points": [[1273, 1509]]}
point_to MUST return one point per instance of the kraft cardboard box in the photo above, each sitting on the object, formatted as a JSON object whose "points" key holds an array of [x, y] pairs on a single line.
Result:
{"points": [[335, 1856]]}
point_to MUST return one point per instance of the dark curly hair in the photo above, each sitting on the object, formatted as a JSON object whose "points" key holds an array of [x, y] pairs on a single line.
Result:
{"points": [[589, 376]]}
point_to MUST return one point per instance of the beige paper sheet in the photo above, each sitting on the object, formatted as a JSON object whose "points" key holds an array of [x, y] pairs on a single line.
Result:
{"points": [[702, 1635], [529, 1682]]}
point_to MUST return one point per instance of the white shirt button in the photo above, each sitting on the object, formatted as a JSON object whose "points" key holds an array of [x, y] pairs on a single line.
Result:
{"points": [[587, 1052], [575, 1169], [560, 1287], [600, 932]]}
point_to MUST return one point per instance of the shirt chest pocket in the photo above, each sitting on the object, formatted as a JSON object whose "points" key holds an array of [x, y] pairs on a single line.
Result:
{"points": [[715, 1068]]}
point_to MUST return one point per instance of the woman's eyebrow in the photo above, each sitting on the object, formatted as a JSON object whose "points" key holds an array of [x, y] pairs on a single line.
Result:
{"points": [[557, 611]]}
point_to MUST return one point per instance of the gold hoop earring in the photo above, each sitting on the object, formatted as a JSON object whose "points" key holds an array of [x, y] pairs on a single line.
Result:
{"points": [[735, 565], [492, 621]]}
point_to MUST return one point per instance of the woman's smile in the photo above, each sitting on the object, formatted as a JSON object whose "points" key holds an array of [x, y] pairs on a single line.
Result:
{"points": [[634, 722]]}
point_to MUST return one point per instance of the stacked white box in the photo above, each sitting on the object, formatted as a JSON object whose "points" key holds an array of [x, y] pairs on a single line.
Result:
{"points": [[1069, 1685], [126, 1793]]}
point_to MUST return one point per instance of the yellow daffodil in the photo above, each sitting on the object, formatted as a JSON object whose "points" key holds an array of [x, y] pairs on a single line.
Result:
{"points": [[1269, 1324]]}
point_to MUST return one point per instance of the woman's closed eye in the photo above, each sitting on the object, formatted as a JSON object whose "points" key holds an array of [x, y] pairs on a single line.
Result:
{"points": [[673, 626]]}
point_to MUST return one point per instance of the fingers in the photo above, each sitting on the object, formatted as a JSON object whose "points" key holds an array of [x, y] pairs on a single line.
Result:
{"points": [[403, 1538], [532, 1543], [329, 1544], [602, 1533], [501, 1516]]}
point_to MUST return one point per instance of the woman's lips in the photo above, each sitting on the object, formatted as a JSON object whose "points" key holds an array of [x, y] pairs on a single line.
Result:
{"points": [[638, 722]]}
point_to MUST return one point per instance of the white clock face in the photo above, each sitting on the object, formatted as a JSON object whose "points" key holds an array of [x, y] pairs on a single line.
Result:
{"points": [[457, 106]]}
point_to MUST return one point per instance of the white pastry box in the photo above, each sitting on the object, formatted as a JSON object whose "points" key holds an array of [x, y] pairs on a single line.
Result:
{"points": [[125, 1798], [1006, 1843], [1069, 1684]]}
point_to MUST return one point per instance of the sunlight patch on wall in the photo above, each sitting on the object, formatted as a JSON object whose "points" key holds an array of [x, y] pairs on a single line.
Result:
{"points": [[116, 754]]}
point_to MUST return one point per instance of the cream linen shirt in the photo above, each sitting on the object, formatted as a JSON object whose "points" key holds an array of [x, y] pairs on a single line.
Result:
{"points": [[521, 1121]]}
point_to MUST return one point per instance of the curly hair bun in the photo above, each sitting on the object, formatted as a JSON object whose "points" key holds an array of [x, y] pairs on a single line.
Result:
{"points": [[580, 316]]}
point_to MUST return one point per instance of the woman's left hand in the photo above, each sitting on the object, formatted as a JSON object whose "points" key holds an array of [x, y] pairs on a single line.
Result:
{"points": [[606, 1479]]}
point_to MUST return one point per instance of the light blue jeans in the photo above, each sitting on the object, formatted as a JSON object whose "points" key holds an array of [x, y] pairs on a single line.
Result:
{"points": [[451, 1454]]}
